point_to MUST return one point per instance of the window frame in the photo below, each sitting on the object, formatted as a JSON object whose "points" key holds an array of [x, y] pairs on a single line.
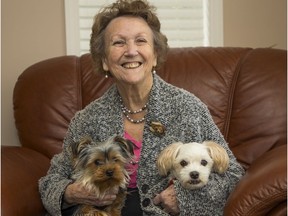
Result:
{"points": [[215, 28]]}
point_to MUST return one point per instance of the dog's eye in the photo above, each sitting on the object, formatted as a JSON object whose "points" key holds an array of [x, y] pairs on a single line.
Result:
{"points": [[183, 163], [204, 162], [98, 162]]}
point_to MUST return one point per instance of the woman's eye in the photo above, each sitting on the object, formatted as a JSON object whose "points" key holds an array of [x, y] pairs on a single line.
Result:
{"points": [[183, 163], [141, 41], [118, 43]]}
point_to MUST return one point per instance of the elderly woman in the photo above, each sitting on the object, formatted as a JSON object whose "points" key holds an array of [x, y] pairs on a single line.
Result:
{"points": [[127, 45]]}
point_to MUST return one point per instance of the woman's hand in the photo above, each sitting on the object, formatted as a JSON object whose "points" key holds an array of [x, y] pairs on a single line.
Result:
{"points": [[77, 194], [167, 199]]}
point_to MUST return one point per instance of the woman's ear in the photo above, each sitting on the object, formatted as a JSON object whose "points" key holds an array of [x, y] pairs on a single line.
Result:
{"points": [[155, 61], [104, 65]]}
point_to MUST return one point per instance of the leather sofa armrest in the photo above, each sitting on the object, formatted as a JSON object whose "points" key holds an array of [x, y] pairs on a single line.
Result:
{"points": [[21, 169], [262, 188]]}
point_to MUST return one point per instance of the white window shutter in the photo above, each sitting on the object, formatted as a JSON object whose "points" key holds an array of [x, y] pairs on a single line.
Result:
{"points": [[186, 23]]}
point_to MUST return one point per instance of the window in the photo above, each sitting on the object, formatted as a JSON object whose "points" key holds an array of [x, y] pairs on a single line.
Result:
{"points": [[186, 23]]}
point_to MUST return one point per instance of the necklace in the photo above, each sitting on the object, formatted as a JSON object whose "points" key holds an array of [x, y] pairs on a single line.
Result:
{"points": [[128, 112], [134, 121]]}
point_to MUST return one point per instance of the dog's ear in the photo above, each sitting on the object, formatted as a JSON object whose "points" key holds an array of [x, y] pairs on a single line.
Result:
{"points": [[218, 155], [166, 157], [79, 146], [125, 145]]}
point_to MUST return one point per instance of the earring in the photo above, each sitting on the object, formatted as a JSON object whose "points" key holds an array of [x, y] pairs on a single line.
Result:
{"points": [[154, 71], [106, 75]]}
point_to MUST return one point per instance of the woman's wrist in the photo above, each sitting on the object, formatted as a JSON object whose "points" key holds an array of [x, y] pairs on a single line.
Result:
{"points": [[67, 199]]}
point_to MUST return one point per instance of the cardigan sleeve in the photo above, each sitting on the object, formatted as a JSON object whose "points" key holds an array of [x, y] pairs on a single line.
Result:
{"points": [[84, 123], [211, 199], [53, 185]]}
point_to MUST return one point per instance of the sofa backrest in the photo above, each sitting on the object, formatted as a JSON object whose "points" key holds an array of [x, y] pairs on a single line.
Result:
{"points": [[244, 89]]}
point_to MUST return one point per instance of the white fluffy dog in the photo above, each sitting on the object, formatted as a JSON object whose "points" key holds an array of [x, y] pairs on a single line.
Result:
{"points": [[191, 163]]}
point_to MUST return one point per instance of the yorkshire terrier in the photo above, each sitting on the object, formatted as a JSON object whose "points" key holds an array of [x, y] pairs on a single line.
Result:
{"points": [[100, 167], [191, 163]]}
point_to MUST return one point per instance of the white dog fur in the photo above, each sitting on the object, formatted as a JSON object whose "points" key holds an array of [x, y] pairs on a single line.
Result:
{"points": [[191, 163]]}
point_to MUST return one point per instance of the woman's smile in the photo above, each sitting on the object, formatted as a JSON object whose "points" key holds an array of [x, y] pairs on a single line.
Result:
{"points": [[131, 65]]}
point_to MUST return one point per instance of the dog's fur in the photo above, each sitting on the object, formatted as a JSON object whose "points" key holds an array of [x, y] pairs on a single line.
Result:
{"points": [[191, 163], [100, 167]]}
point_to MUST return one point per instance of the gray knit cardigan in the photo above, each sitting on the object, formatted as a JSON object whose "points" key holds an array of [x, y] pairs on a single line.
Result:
{"points": [[185, 118]]}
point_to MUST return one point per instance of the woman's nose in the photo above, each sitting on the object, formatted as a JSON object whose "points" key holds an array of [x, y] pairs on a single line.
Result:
{"points": [[131, 49]]}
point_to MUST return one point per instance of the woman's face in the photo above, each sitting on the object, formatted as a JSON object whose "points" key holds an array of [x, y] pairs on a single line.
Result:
{"points": [[129, 49]]}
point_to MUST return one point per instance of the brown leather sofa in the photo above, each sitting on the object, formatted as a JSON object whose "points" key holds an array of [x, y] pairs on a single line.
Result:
{"points": [[244, 88]]}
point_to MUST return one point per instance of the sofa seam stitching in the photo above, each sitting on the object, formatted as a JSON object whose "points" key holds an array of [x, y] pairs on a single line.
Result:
{"points": [[231, 94], [261, 203]]}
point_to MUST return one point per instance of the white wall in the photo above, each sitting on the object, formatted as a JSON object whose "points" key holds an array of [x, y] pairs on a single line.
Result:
{"points": [[255, 23], [31, 30]]}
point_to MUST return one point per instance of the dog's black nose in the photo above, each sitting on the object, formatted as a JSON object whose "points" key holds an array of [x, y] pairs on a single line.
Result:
{"points": [[194, 175], [109, 173]]}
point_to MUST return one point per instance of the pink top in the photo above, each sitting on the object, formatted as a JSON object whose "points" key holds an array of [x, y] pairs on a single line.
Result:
{"points": [[133, 167]]}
